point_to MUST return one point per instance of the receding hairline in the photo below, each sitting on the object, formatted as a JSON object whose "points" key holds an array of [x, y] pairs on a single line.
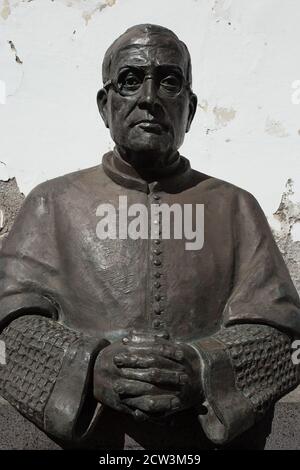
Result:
{"points": [[136, 32]]}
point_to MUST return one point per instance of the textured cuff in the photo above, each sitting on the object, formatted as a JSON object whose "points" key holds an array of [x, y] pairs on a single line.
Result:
{"points": [[47, 375], [245, 369]]}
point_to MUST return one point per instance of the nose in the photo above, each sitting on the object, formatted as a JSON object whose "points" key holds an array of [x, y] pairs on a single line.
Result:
{"points": [[148, 94]]}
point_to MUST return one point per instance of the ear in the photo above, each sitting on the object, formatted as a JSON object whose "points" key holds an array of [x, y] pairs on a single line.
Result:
{"points": [[102, 105], [192, 110]]}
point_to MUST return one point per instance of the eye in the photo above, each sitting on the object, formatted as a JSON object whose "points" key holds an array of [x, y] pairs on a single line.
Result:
{"points": [[171, 84], [129, 82]]}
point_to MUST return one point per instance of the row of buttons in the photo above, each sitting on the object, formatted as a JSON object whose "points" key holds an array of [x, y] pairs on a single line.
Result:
{"points": [[157, 262]]}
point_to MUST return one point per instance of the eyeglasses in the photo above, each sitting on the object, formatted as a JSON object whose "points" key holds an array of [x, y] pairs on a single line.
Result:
{"points": [[168, 83]]}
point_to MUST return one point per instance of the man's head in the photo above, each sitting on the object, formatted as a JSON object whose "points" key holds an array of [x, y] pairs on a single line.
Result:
{"points": [[146, 100]]}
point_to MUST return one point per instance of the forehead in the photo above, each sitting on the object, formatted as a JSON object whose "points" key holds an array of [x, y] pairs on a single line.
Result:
{"points": [[149, 51]]}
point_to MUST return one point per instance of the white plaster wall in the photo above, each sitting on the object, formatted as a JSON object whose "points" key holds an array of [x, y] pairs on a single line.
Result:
{"points": [[245, 59]]}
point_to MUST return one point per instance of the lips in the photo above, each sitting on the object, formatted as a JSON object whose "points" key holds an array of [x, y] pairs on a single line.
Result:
{"points": [[150, 125]]}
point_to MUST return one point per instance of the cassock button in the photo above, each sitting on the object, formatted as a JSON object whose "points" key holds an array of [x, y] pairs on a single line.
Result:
{"points": [[157, 309], [157, 251], [157, 242], [157, 262], [157, 297], [163, 334], [157, 284], [156, 197], [156, 323], [157, 274]]}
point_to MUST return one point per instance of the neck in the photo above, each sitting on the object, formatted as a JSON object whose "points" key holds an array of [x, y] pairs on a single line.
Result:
{"points": [[148, 162]]}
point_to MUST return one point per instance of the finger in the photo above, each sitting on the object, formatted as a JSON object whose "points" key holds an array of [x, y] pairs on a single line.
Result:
{"points": [[142, 337], [123, 359], [156, 376], [140, 416], [137, 414], [145, 361], [134, 388], [160, 347], [138, 337], [169, 351], [157, 404]]}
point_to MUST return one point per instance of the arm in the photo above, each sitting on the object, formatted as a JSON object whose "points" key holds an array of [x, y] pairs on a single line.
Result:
{"points": [[247, 365], [48, 375], [48, 366], [245, 369]]}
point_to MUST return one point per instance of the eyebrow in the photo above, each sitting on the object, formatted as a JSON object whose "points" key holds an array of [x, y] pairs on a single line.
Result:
{"points": [[144, 68]]}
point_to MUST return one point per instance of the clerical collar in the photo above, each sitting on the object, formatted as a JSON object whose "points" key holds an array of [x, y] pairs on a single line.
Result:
{"points": [[172, 178]]}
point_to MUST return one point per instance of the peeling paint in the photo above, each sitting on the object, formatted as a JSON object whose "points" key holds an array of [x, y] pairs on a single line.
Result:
{"points": [[223, 115], [203, 105], [288, 236], [1, 219], [4, 176], [5, 11], [87, 16], [11, 200], [275, 128], [296, 232]]}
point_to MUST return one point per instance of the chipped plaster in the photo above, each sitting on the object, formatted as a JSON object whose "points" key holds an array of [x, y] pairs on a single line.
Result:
{"points": [[11, 200], [5, 10], [275, 128], [287, 234], [223, 116]]}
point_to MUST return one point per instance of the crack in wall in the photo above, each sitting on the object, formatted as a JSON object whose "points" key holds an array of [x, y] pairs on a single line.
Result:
{"points": [[288, 216], [13, 48]]}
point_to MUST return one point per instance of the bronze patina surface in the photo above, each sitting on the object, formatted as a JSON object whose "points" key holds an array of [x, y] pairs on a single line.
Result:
{"points": [[143, 337]]}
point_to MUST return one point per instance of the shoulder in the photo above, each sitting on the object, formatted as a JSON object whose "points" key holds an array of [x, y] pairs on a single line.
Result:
{"points": [[225, 191], [56, 187]]}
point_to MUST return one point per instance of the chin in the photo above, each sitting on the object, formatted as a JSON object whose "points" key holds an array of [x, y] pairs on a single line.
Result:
{"points": [[150, 143]]}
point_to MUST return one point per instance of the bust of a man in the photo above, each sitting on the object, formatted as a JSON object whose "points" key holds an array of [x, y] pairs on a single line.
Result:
{"points": [[145, 336]]}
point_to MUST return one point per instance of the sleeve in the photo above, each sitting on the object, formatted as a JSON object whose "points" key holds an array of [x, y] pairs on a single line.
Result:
{"points": [[245, 369], [46, 375], [247, 365], [48, 366]]}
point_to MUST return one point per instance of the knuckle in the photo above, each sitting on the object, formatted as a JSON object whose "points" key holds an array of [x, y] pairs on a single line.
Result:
{"points": [[134, 359], [118, 387], [154, 374], [179, 354], [149, 361], [151, 404]]}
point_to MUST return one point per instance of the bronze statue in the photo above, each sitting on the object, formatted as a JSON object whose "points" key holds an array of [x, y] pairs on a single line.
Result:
{"points": [[107, 337]]}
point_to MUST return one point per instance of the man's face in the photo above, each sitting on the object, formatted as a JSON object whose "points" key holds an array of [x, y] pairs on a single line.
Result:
{"points": [[149, 107]]}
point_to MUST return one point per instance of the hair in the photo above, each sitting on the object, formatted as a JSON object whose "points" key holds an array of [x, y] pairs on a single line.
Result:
{"points": [[144, 29]]}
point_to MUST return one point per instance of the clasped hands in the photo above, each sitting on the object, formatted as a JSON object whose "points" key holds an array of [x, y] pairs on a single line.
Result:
{"points": [[148, 377]]}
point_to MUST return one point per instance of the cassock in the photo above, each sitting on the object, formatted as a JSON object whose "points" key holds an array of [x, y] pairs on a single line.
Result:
{"points": [[66, 293]]}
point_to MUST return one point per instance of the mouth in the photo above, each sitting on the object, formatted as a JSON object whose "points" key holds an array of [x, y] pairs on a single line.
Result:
{"points": [[150, 125]]}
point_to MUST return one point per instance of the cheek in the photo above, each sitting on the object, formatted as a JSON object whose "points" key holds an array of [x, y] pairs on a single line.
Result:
{"points": [[117, 118], [178, 115], [120, 107], [115, 111]]}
